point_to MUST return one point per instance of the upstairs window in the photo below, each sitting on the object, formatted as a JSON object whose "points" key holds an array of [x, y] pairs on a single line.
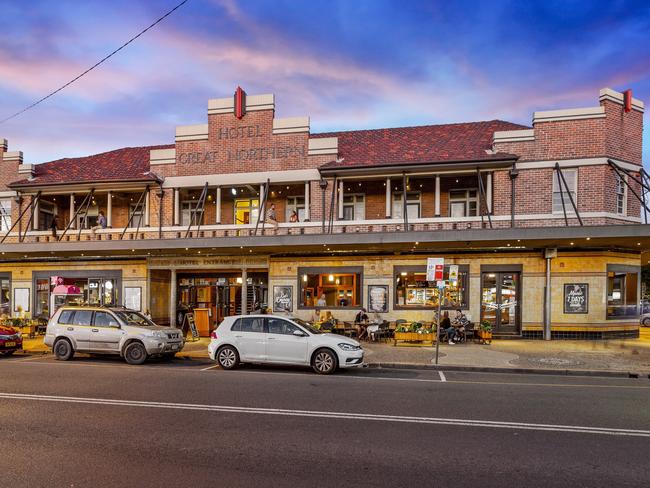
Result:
{"points": [[188, 210], [620, 195], [412, 205], [296, 204], [463, 203], [354, 207], [5, 215], [136, 214], [571, 178]]}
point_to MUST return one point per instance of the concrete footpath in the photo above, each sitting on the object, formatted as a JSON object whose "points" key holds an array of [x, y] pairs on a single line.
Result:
{"points": [[611, 357]]}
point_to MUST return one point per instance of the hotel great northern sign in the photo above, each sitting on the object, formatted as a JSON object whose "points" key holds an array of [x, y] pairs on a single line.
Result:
{"points": [[255, 153]]}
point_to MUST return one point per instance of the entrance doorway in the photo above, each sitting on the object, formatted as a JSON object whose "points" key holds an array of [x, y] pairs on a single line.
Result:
{"points": [[500, 297], [246, 210]]}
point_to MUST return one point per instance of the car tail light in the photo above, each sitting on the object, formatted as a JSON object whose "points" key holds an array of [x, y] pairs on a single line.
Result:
{"points": [[213, 335]]}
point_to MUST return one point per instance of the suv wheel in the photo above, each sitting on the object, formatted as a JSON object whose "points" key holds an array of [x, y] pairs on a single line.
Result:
{"points": [[646, 321], [63, 350], [324, 361], [227, 357], [135, 353]]}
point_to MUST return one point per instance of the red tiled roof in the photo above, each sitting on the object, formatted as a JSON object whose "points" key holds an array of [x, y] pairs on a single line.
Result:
{"points": [[422, 144], [126, 164]]}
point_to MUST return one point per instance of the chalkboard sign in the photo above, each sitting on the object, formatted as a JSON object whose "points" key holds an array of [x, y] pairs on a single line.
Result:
{"points": [[189, 320], [576, 298]]}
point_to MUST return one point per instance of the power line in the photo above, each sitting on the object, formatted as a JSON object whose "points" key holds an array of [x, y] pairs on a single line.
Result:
{"points": [[94, 65]]}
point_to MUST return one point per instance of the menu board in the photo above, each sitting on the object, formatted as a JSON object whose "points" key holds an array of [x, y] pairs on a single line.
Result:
{"points": [[283, 298], [576, 298], [378, 298]]}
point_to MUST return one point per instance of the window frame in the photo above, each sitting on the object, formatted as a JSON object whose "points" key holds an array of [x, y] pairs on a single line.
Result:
{"points": [[623, 269], [462, 269], [398, 202], [622, 195], [567, 201], [6, 277], [293, 204], [192, 204], [466, 200], [326, 270], [5, 210], [353, 205]]}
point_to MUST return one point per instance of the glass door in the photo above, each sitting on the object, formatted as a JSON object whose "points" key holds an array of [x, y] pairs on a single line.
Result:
{"points": [[500, 301]]}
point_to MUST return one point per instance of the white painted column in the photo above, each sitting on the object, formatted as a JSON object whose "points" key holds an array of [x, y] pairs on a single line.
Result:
{"points": [[172, 300], [488, 193], [109, 209], [340, 209], [36, 215], [177, 206], [307, 200], [147, 201], [389, 200], [218, 204], [73, 224], [244, 291], [437, 197]]}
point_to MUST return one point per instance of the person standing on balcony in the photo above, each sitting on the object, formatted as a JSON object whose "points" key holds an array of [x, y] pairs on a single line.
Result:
{"points": [[101, 222], [294, 217], [271, 218], [53, 225]]}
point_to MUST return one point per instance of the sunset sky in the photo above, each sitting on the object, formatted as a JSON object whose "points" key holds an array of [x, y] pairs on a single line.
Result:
{"points": [[347, 64]]}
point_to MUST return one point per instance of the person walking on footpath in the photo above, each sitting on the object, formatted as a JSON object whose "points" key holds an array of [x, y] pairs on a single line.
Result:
{"points": [[101, 222]]}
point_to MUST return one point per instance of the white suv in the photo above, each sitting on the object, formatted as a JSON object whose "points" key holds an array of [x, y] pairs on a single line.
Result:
{"points": [[281, 340], [110, 331]]}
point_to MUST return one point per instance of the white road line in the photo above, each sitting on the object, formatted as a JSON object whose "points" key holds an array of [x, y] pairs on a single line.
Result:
{"points": [[210, 367], [442, 376], [332, 415]]}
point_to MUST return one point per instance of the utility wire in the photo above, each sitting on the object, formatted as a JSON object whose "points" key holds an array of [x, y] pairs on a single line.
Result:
{"points": [[94, 65]]}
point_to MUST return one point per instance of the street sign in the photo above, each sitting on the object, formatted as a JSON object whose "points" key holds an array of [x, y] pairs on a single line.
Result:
{"points": [[453, 272], [435, 269]]}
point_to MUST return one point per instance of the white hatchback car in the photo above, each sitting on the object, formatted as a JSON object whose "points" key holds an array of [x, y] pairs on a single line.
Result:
{"points": [[281, 340]]}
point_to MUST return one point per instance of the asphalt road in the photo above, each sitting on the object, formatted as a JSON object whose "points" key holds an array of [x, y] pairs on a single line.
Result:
{"points": [[98, 422]]}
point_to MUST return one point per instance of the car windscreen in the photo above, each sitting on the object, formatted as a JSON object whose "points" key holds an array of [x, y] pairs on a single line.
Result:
{"points": [[134, 318], [306, 325]]}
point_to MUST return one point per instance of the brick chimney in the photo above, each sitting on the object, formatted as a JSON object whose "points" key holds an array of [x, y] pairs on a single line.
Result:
{"points": [[10, 162], [623, 130]]}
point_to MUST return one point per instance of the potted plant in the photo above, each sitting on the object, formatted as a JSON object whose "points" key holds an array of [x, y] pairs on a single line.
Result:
{"points": [[414, 332], [485, 332]]}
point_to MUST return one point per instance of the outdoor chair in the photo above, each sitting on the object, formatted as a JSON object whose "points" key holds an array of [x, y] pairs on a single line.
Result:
{"points": [[383, 331]]}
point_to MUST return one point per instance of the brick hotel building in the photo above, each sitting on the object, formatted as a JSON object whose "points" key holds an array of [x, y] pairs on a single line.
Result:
{"points": [[544, 222]]}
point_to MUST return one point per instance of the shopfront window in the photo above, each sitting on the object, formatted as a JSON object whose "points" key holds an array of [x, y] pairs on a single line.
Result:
{"points": [[412, 290], [5, 215], [622, 291], [53, 292], [330, 287], [5, 296]]}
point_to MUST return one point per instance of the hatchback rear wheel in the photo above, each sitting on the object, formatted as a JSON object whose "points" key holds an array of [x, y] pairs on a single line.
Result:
{"points": [[227, 357], [324, 361], [63, 350]]}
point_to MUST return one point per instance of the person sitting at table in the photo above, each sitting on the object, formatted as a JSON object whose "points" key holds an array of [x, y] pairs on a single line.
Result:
{"points": [[361, 324], [316, 316], [361, 316], [322, 301], [445, 324]]}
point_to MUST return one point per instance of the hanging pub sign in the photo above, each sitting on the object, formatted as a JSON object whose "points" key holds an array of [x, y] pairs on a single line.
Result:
{"points": [[576, 298]]}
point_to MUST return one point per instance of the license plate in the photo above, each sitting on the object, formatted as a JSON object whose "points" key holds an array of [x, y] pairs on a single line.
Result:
{"points": [[10, 344]]}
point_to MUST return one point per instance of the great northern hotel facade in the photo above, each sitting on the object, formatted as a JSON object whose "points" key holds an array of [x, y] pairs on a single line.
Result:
{"points": [[543, 222]]}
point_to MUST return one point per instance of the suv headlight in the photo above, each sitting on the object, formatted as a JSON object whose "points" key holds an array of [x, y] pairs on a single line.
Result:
{"points": [[348, 347], [158, 334]]}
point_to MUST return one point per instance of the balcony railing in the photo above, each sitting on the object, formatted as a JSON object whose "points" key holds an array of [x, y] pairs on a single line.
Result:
{"points": [[436, 224]]}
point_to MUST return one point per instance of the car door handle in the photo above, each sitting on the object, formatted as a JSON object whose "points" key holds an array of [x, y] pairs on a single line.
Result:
{"points": [[238, 337], [95, 330], [271, 338], [70, 328]]}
